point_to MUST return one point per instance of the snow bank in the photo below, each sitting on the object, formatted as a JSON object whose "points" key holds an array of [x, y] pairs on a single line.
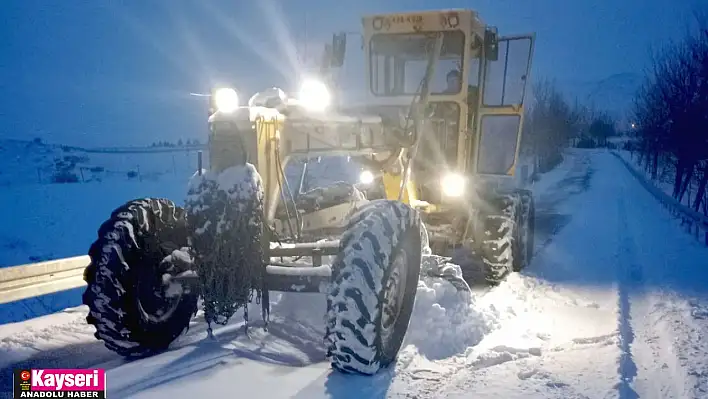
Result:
{"points": [[445, 321], [553, 176]]}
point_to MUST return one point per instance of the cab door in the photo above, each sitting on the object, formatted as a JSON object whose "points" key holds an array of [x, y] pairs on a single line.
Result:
{"points": [[501, 107]]}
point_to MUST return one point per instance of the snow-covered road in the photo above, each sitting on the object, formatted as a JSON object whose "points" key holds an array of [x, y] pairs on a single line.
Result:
{"points": [[614, 305]]}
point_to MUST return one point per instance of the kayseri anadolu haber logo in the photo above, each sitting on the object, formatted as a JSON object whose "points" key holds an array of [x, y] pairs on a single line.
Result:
{"points": [[60, 383]]}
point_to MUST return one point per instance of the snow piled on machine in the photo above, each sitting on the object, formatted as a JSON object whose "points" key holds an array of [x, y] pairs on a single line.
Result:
{"points": [[241, 182]]}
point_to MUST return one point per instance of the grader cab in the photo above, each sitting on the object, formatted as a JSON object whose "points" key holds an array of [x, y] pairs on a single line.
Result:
{"points": [[470, 123], [439, 165]]}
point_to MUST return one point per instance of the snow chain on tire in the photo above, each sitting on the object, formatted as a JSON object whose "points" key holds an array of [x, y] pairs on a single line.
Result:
{"points": [[380, 255], [126, 295], [225, 213]]}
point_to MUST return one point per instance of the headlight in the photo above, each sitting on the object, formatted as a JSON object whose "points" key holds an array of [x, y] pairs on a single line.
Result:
{"points": [[366, 177], [314, 95], [226, 100], [453, 185]]}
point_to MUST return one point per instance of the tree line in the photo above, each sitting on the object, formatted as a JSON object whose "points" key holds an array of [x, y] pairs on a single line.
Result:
{"points": [[552, 123], [669, 133], [179, 143], [671, 111]]}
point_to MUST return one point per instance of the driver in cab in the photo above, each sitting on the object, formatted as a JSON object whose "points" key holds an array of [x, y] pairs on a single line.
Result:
{"points": [[449, 111], [454, 81]]}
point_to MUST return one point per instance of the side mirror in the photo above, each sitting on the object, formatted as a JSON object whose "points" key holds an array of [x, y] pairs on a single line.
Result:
{"points": [[491, 44], [339, 47]]}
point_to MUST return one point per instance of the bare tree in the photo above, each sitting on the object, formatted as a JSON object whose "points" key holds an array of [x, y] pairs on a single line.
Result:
{"points": [[671, 110], [602, 128], [550, 123]]}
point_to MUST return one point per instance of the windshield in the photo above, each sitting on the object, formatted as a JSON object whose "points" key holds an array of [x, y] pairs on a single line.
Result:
{"points": [[398, 62]]}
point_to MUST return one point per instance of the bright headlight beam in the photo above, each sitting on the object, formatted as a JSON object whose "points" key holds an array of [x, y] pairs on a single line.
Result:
{"points": [[226, 100], [453, 185], [314, 95], [366, 177]]}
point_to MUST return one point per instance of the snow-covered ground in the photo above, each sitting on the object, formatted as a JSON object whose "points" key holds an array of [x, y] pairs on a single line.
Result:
{"points": [[43, 220], [615, 304], [50, 221]]}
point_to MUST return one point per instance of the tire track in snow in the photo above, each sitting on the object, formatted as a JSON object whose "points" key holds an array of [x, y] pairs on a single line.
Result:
{"points": [[660, 345], [661, 324], [630, 276], [575, 181]]}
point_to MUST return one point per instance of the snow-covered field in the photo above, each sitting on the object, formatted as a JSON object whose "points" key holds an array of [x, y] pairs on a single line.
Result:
{"points": [[44, 220], [615, 304], [30, 163]]}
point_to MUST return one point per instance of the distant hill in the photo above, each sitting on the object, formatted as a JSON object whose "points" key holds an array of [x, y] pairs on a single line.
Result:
{"points": [[614, 94]]}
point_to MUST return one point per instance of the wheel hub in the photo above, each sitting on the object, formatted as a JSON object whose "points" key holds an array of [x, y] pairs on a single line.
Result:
{"points": [[155, 302]]}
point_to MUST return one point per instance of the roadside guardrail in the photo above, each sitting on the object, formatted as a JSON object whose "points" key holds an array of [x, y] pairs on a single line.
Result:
{"points": [[36, 279], [694, 222]]}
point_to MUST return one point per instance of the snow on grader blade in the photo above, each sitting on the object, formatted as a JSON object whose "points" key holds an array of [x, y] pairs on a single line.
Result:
{"points": [[437, 171]]}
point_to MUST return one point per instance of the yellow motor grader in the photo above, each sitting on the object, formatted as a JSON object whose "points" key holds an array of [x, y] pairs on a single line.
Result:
{"points": [[437, 168]]}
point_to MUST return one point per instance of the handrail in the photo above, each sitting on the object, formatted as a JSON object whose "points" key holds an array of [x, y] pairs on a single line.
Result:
{"points": [[695, 222], [36, 279]]}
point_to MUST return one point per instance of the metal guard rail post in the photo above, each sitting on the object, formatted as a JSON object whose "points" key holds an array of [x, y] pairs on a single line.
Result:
{"points": [[36, 279], [695, 222]]}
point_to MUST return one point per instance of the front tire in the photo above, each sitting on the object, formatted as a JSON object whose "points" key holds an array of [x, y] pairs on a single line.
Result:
{"points": [[129, 304], [374, 283]]}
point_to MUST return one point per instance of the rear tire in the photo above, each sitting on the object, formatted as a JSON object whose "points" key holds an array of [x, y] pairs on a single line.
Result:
{"points": [[527, 224], [129, 303], [508, 242], [499, 242], [374, 283]]}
